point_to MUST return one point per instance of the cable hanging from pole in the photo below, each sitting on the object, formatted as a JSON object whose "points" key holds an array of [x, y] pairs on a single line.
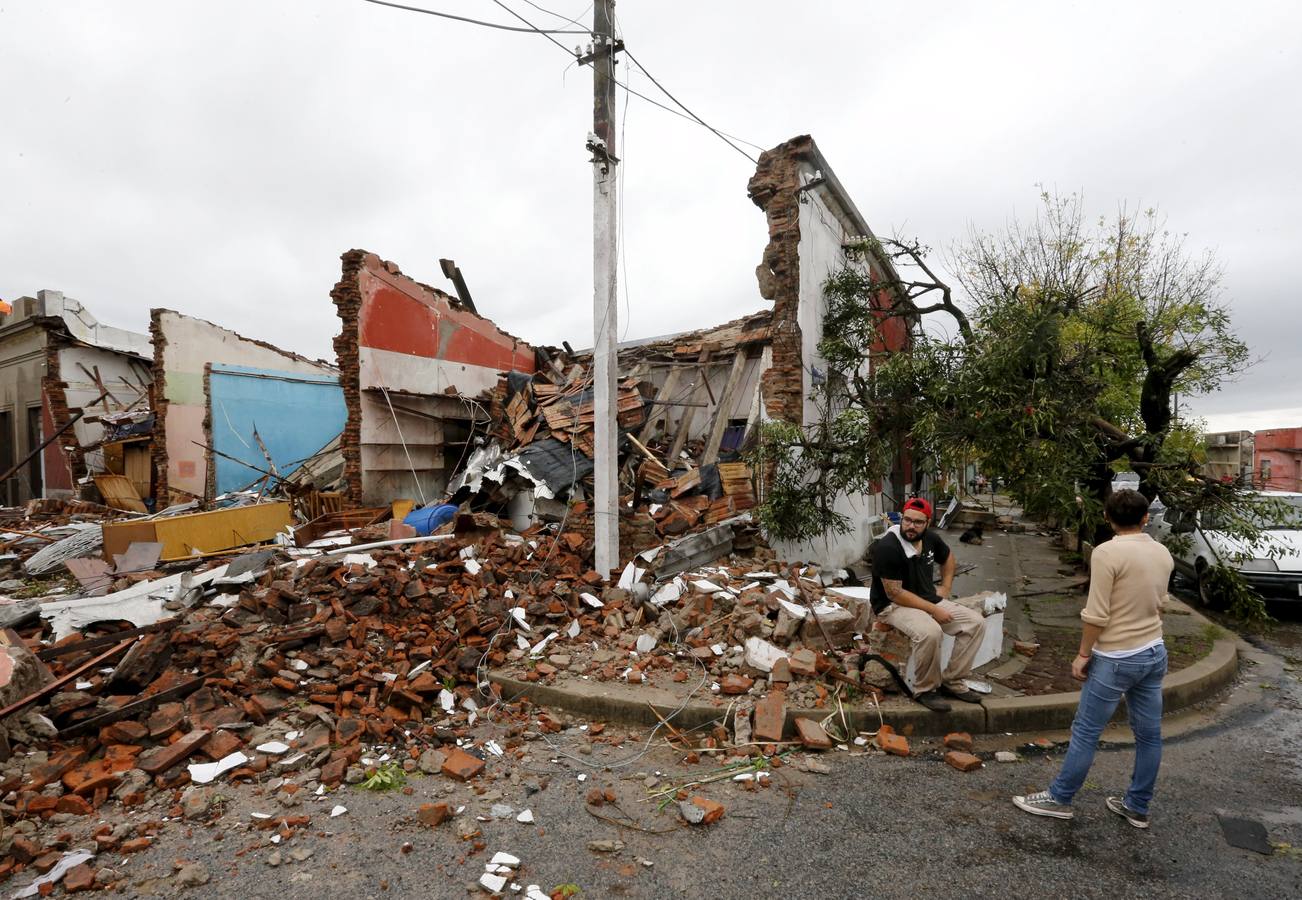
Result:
{"points": [[443, 15], [680, 105]]}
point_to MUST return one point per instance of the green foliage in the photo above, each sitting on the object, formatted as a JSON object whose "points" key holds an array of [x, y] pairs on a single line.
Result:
{"points": [[1242, 602], [387, 777], [1072, 338]]}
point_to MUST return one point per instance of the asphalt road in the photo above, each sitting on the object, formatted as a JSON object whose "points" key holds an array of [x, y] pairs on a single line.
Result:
{"points": [[875, 826]]}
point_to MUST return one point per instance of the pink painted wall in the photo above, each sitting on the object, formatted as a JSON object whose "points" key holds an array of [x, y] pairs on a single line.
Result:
{"points": [[1279, 454]]}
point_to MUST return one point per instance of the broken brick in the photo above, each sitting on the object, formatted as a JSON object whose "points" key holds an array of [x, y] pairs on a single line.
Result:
{"points": [[461, 765], [803, 662], [958, 740], [964, 762], [79, 878], [126, 732], [433, 814], [733, 683], [770, 718], [713, 811], [135, 845], [812, 734], [71, 803], [893, 743], [163, 758]]}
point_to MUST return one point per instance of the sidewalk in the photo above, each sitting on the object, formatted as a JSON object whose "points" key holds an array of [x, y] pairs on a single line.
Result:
{"points": [[1031, 686]]}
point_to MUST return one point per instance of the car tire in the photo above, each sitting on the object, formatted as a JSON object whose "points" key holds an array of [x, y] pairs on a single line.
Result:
{"points": [[1208, 596]]}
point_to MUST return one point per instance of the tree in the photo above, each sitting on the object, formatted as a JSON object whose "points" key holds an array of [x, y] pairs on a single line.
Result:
{"points": [[1068, 347]]}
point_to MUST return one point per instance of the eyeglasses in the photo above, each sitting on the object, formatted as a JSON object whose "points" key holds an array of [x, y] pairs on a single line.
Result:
{"points": [[910, 521]]}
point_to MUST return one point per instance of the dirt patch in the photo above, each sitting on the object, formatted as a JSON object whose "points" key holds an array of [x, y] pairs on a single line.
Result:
{"points": [[1049, 671]]}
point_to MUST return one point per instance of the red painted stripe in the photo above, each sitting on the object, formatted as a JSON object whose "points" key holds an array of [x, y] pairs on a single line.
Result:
{"points": [[393, 320]]}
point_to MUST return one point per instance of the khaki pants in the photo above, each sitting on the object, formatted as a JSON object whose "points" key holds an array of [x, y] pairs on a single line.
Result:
{"points": [[968, 628]]}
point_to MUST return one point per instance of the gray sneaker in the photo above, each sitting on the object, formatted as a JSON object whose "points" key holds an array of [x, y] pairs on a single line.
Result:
{"points": [[1042, 804], [1118, 806]]}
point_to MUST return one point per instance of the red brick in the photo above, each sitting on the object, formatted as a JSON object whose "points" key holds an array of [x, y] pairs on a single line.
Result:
{"points": [[893, 743], [781, 671], [958, 740], [461, 765], [221, 744], [964, 762], [135, 845], [24, 851], [163, 758], [55, 768], [803, 662], [79, 878], [71, 803], [348, 730], [166, 719], [127, 732], [733, 683], [770, 718], [333, 772], [713, 810], [433, 814], [46, 861], [812, 735]]}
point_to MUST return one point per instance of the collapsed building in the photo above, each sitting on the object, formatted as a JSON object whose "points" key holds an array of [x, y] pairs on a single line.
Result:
{"points": [[414, 402], [69, 379]]}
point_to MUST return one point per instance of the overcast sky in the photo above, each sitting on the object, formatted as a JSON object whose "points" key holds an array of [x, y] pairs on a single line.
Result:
{"points": [[217, 157]]}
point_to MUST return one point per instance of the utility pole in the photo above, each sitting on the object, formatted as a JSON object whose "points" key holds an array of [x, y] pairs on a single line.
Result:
{"points": [[601, 143]]}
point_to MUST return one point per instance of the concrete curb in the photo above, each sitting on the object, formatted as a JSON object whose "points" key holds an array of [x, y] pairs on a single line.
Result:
{"points": [[618, 702]]}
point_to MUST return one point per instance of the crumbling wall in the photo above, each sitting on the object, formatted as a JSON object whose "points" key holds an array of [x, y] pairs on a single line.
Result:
{"points": [[76, 375], [183, 346], [410, 359], [774, 188], [811, 222], [62, 466]]}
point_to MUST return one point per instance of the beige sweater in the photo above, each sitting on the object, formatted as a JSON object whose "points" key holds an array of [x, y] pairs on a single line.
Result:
{"points": [[1128, 579]]}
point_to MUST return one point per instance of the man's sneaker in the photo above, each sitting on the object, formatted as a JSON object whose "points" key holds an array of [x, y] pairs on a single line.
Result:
{"points": [[1042, 804], [1118, 806], [933, 701]]}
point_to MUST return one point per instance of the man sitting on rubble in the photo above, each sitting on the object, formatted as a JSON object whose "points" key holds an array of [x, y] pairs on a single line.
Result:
{"points": [[905, 596]]}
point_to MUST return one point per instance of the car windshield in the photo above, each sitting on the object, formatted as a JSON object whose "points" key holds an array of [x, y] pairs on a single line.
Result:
{"points": [[1285, 515]]}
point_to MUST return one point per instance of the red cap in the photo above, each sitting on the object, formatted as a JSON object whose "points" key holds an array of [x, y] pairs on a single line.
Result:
{"points": [[920, 505]]}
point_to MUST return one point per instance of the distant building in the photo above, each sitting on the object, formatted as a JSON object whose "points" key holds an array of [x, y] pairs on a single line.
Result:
{"points": [[1229, 455], [1278, 462]]}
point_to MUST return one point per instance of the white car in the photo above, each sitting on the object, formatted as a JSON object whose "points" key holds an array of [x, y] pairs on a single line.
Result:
{"points": [[1125, 481], [1275, 571]]}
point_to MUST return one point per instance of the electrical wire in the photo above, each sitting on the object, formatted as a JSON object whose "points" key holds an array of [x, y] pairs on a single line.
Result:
{"points": [[670, 109], [574, 21], [680, 105], [543, 32], [443, 15], [547, 33]]}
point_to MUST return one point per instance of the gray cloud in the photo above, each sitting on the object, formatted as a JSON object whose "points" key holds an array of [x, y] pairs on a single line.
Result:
{"points": [[217, 158]]}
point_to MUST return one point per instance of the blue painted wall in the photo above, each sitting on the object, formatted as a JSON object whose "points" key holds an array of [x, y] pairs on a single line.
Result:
{"points": [[295, 415]]}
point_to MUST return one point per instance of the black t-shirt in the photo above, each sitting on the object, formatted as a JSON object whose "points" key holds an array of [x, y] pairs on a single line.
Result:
{"points": [[890, 561]]}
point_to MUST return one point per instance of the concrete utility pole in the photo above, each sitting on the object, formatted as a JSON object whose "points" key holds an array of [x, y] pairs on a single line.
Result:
{"points": [[601, 143]]}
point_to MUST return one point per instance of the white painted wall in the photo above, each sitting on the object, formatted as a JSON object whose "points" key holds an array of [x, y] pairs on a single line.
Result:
{"points": [[823, 231], [81, 390]]}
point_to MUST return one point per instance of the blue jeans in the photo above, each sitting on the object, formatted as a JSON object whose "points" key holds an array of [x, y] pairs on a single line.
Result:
{"points": [[1138, 678]]}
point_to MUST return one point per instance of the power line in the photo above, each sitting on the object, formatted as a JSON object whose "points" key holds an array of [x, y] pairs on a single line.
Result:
{"points": [[544, 33], [443, 15], [670, 109], [680, 105], [547, 33], [574, 21]]}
